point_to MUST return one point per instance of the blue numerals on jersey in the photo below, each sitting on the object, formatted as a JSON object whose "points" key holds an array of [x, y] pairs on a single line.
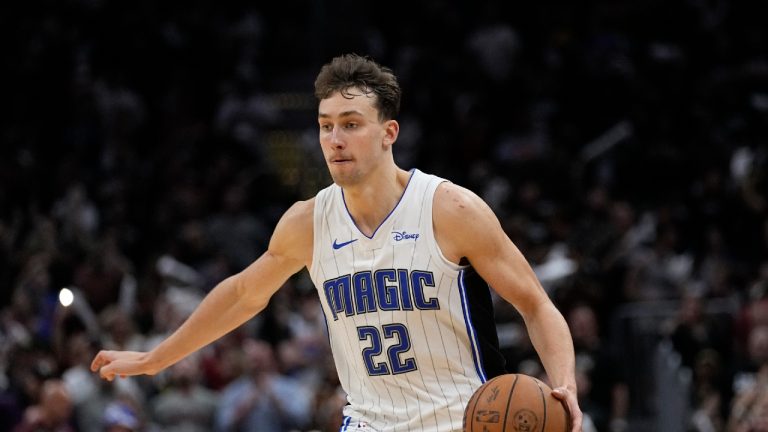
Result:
{"points": [[396, 364]]}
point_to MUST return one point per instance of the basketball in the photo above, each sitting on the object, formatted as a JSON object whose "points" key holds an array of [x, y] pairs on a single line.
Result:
{"points": [[515, 403]]}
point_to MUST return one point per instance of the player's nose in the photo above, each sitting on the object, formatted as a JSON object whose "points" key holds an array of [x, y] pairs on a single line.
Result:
{"points": [[336, 138]]}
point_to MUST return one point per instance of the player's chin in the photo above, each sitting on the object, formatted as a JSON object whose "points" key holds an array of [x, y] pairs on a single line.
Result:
{"points": [[343, 176]]}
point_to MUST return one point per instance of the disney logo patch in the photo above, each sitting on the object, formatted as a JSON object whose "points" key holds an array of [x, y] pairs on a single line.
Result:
{"points": [[404, 236]]}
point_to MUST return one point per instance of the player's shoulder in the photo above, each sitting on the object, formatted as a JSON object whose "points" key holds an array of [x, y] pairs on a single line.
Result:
{"points": [[455, 200], [462, 221], [298, 219], [294, 231], [292, 237], [300, 212]]}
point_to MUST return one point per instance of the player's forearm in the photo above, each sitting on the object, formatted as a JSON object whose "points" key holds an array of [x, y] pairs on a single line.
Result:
{"points": [[550, 336], [221, 311]]}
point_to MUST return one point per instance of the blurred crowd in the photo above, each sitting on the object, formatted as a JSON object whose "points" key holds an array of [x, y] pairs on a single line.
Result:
{"points": [[148, 148]]}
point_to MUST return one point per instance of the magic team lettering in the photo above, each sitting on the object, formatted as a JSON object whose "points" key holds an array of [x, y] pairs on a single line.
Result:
{"points": [[382, 290]]}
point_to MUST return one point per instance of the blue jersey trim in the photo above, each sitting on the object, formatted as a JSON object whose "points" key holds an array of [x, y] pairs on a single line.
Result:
{"points": [[413, 171], [345, 423], [476, 355]]}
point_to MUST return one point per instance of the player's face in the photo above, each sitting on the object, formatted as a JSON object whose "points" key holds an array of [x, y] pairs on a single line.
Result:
{"points": [[354, 141]]}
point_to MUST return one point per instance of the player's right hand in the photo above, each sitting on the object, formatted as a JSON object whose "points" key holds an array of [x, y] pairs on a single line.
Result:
{"points": [[110, 364]]}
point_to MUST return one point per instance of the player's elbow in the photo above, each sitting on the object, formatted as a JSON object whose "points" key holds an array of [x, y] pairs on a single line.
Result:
{"points": [[247, 295], [536, 308]]}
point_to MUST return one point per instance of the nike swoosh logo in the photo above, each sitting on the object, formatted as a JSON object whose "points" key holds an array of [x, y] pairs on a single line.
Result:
{"points": [[341, 245]]}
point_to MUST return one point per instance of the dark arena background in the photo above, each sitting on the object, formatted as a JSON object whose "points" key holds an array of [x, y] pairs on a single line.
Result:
{"points": [[147, 149]]}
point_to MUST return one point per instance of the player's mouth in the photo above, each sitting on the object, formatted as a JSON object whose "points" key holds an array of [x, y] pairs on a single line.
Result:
{"points": [[340, 160]]}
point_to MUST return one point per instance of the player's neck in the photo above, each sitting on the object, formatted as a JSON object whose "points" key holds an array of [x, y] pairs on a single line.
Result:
{"points": [[370, 202]]}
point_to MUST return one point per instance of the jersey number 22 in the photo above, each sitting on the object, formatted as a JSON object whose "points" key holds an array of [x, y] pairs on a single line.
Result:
{"points": [[395, 364]]}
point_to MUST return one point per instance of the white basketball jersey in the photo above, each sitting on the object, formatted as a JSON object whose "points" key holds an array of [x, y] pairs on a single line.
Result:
{"points": [[411, 340]]}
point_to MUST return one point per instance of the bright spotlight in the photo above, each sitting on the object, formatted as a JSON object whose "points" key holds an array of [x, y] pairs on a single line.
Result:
{"points": [[66, 297]]}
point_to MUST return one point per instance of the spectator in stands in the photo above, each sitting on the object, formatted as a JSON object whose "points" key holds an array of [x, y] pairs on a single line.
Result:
{"points": [[708, 398], [749, 411], [121, 416], [262, 400], [604, 394], [52, 413], [185, 405], [694, 330]]}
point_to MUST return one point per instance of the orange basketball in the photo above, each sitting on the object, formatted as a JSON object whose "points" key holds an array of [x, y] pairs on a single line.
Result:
{"points": [[515, 403]]}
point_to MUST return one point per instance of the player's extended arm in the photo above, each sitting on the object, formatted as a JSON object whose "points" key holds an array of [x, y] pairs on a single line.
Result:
{"points": [[231, 303], [466, 227]]}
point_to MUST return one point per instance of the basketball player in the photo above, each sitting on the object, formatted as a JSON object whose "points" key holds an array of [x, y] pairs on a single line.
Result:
{"points": [[396, 257]]}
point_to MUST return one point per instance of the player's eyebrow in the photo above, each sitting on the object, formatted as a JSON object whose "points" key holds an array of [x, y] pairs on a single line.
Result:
{"points": [[341, 114]]}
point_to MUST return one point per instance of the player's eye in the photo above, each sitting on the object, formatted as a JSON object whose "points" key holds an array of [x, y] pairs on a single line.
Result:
{"points": [[351, 125]]}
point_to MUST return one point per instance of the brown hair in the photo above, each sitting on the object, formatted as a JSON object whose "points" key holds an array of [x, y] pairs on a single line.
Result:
{"points": [[349, 71]]}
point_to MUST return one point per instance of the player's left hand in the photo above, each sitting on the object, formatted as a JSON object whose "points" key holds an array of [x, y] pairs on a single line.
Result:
{"points": [[111, 364], [568, 397]]}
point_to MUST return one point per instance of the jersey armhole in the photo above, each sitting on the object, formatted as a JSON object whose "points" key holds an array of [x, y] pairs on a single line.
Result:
{"points": [[317, 220], [429, 201]]}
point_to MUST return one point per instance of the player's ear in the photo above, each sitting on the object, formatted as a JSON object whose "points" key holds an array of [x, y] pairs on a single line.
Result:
{"points": [[391, 130]]}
